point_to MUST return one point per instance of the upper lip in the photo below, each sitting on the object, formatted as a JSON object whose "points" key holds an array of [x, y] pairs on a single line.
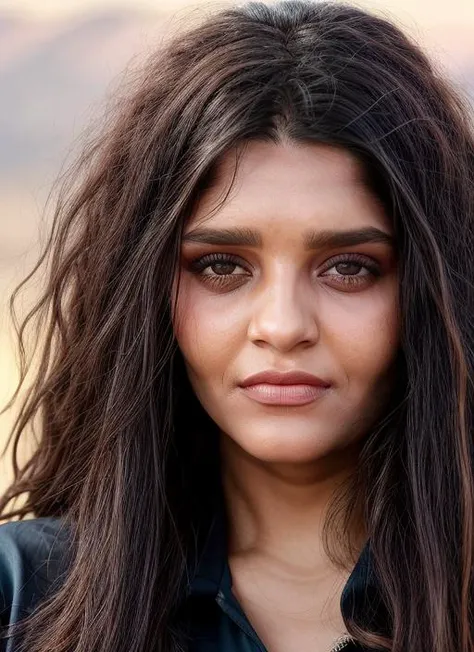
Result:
{"points": [[273, 377]]}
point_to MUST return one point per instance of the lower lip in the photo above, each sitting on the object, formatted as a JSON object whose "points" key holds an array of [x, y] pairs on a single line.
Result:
{"points": [[284, 394]]}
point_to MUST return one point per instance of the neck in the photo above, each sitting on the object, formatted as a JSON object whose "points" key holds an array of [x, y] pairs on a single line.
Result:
{"points": [[278, 510]]}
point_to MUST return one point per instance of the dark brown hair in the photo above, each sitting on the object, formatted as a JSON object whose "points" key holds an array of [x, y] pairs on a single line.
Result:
{"points": [[117, 457]]}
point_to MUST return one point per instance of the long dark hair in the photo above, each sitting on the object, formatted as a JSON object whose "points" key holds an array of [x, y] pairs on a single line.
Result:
{"points": [[123, 442]]}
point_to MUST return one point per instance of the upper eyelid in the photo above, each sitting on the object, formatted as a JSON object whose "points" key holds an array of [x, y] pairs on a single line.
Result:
{"points": [[200, 263], [217, 256], [220, 255], [354, 256]]}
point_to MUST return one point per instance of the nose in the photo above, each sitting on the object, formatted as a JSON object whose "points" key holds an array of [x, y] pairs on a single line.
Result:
{"points": [[284, 315]]}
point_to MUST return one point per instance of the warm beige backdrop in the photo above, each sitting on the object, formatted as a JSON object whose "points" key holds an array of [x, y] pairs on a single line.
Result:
{"points": [[59, 61]]}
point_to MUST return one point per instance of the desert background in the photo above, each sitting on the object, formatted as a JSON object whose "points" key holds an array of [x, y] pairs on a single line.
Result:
{"points": [[60, 62]]}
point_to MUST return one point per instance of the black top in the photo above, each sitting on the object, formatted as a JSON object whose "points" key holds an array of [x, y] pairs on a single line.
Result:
{"points": [[32, 561]]}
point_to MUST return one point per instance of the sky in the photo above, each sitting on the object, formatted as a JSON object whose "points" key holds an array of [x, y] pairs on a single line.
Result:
{"points": [[440, 25], [429, 11], [48, 8]]}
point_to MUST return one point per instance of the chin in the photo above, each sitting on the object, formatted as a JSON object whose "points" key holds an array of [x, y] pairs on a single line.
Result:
{"points": [[293, 448]]}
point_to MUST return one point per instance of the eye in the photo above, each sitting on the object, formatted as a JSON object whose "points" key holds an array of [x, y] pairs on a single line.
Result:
{"points": [[351, 270], [218, 269], [346, 271]]}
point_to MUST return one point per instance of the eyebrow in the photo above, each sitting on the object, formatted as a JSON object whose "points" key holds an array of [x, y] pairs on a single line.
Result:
{"points": [[247, 237]]}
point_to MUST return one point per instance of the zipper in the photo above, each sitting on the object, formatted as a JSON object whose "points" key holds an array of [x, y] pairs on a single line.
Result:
{"points": [[341, 643]]}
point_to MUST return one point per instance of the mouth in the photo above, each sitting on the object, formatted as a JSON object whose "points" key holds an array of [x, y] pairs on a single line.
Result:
{"points": [[273, 387], [272, 394]]}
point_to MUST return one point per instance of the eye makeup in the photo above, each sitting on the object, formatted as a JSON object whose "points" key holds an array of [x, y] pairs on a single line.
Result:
{"points": [[218, 269]]}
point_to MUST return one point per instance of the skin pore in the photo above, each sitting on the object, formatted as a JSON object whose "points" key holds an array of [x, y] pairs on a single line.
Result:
{"points": [[297, 293]]}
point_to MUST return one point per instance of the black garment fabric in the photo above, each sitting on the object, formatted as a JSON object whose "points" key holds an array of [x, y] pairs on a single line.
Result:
{"points": [[33, 560], [33, 563]]}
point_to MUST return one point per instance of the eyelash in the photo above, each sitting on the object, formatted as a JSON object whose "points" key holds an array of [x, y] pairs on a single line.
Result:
{"points": [[198, 265]]}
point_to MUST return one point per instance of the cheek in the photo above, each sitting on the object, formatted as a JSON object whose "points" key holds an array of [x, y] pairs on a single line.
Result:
{"points": [[366, 338], [207, 333]]}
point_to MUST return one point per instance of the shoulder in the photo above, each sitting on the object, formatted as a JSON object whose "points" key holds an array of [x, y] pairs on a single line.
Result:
{"points": [[32, 560]]}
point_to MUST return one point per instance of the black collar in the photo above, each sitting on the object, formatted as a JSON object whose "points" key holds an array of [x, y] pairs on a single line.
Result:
{"points": [[212, 560], [360, 602]]}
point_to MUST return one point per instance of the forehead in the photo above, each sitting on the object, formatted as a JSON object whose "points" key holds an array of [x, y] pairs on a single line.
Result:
{"points": [[290, 183]]}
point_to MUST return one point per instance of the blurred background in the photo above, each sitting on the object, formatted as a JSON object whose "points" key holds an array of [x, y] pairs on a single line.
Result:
{"points": [[60, 61]]}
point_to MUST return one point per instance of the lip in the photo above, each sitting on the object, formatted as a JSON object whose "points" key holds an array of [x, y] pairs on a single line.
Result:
{"points": [[273, 377], [291, 388], [269, 394]]}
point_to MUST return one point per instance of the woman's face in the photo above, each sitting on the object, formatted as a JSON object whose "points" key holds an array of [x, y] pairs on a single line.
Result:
{"points": [[296, 271]]}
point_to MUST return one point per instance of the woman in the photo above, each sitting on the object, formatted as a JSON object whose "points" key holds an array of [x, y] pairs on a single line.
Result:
{"points": [[255, 390]]}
